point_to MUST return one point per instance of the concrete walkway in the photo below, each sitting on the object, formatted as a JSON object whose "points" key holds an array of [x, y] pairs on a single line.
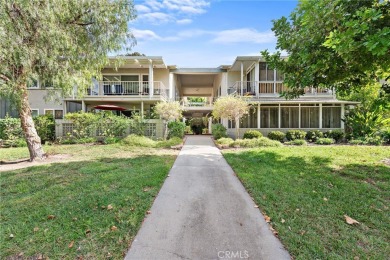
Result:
{"points": [[204, 212]]}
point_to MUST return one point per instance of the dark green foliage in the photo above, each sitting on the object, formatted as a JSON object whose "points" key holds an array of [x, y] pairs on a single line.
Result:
{"points": [[218, 131], [276, 135], [255, 142], [10, 128], [45, 126], [314, 135], [337, 135], [385, 135], [176, 129], [325, 141], [295, 134], [296, 142], [137, 125], [251, 134]]}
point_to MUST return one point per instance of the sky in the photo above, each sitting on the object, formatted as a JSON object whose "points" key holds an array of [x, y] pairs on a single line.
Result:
{"points": [[206, 33]]}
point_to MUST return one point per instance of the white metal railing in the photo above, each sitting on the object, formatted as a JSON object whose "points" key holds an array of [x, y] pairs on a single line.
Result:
{"points": [[264, 88], [131, 88]]}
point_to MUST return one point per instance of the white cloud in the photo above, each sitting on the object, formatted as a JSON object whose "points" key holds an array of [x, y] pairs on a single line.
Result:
{"points": [[155, 5], [142, 8], [187, 6], [156, 17], [147, 35], [184, 21], [244, 35]]}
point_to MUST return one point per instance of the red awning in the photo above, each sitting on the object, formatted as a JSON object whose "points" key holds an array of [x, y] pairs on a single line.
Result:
{"points": [[110, 107]]}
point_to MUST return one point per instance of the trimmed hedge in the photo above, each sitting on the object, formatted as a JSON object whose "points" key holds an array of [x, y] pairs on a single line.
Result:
{"points": [[295, 134], [276, 135], [218, 131], [251, 134], [314, 135], [325, 141]]}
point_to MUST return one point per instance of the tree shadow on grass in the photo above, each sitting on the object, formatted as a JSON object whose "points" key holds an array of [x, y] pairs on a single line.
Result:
{"points": [[47, 207], [311, 194]]}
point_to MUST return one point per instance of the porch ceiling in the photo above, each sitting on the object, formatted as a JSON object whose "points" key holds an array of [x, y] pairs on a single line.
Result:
{"points": [[197, 84]]}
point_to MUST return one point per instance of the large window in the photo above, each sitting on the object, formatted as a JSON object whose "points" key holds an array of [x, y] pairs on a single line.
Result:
{"points": [[289, 117], [331, 117], [310, 117], [269, 117], [249, 120]]}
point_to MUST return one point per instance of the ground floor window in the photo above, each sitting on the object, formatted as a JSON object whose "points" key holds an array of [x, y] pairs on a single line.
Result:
{"points": [[310, 117], [289, 117], [34, 112], [331, 117], [249, 120], [269, 117]]}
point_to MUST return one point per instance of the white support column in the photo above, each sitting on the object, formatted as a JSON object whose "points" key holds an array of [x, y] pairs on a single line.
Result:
{"points": [[171, 85], [210, 124], [257, 78], [64, 107], [279, 116], [151, 79], [342, 116], [83, 107], [320, 115], [242, 71], [258, 116], [299, 116], [275, 83], [142, 110]]}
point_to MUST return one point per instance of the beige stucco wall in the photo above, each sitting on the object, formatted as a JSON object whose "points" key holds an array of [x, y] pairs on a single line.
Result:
{"points": [[42, 99], [233, 76]]}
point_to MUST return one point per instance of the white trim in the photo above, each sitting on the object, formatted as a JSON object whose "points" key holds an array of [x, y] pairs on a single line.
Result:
{"points": [[35, 109], [46, 109]]}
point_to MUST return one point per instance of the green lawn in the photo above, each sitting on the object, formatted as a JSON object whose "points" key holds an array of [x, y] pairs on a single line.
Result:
{"points": [[61, 210], [307, 190]]}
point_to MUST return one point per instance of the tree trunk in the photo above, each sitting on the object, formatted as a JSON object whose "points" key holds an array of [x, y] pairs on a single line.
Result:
{"points": [[237, 127], [27, 123]]}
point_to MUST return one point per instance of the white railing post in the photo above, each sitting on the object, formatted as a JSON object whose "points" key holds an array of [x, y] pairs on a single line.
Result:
{"points": [[151, 79]]}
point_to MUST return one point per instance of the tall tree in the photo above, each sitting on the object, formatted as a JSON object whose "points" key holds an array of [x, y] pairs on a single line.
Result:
{"points": [[232, 108], [343, 44], [63, 43]]}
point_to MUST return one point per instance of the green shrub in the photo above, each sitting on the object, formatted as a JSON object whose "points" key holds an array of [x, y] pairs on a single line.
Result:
{"points": [[45, 126], [369, 140], [139, 141], [111, 140], [19, 142], [169, 143], [276, 135], [225, 141], [218, 131], [84, 124], [188, 130], [176, 129], [337, 135], [257, 142], [295, 134], [325, 141], [385, 135], [10, 129], [357, 142], [296, 142], [374, 140], [314, 135], [137, 124], [251, 134]]}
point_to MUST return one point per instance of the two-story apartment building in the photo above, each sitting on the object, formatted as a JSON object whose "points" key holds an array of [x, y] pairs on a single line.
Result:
{"points": [[142, 81]]}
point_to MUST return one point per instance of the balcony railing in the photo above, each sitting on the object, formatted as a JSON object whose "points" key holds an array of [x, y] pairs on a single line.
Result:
{"points": [[269, 88], [127, 88]]}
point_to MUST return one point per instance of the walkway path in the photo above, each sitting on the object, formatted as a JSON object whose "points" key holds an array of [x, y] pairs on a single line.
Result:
{"points": [[204, 212]]}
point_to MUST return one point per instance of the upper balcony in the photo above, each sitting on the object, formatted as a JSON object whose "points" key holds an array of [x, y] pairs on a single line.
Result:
{"points": [[131, 89], [260, 89]]}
